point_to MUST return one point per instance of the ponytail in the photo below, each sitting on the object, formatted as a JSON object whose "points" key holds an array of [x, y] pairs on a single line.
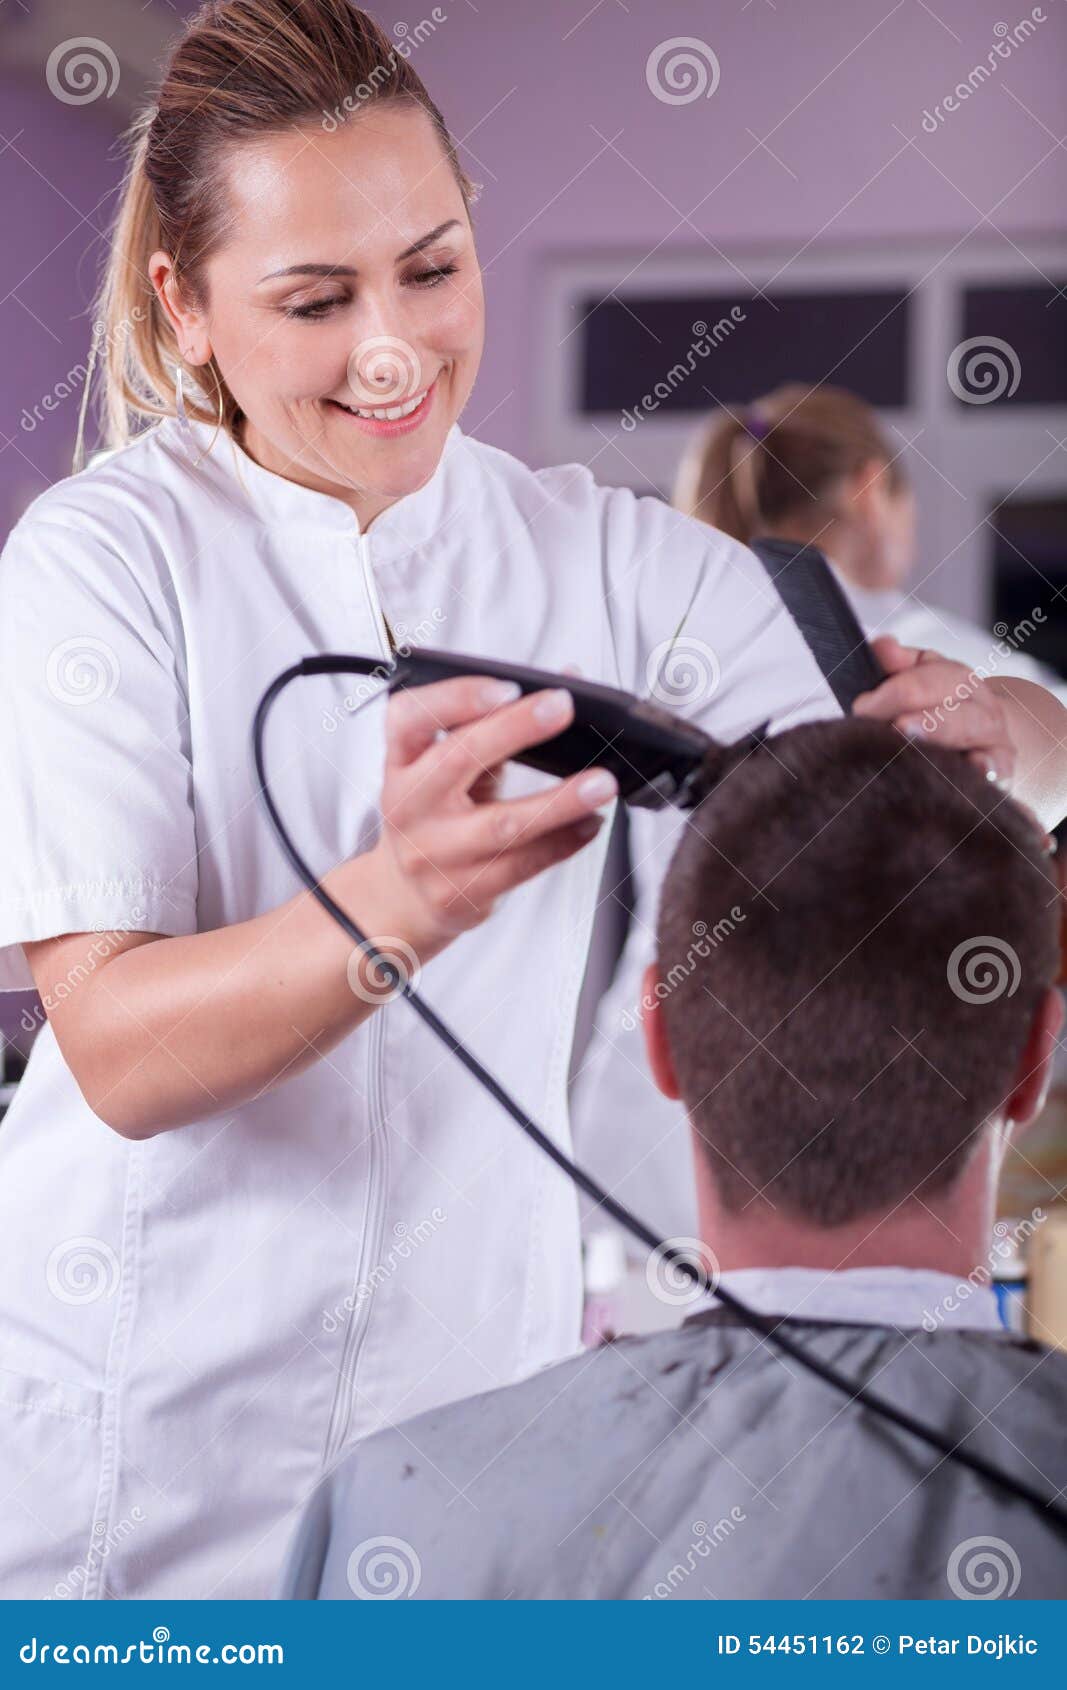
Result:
{"points": [[781, 459]]}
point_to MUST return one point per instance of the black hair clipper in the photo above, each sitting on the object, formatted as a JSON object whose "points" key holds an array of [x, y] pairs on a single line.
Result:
{"points": [[656, 756]]}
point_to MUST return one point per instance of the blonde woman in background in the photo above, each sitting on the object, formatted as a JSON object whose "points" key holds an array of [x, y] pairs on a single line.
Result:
{"points": [[803, 464]]}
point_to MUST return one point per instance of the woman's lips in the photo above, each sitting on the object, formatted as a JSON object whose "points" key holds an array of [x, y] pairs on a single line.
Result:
{"points": [[386, 428]]}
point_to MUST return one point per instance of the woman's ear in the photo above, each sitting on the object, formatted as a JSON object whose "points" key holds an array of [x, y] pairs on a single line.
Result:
{"points": [[188, 326], [656, 1047]]}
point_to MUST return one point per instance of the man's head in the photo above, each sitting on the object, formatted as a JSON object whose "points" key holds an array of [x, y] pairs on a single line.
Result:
{"points": [[858, 939]]}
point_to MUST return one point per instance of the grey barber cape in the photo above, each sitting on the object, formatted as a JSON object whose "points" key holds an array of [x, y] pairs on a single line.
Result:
{"points": [[700, 1463]]}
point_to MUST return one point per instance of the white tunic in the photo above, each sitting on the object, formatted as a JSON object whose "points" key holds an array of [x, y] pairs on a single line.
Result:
{"points": [[191, 1327]]}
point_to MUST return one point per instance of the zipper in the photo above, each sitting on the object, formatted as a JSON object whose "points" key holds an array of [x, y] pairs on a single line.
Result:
{"points": [[363, 1291], [385, 633], [377, 1147]]}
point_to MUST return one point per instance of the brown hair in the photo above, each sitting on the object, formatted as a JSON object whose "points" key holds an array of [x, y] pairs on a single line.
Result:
{"points": [[241, 69], [854, 937], [781, 459]]}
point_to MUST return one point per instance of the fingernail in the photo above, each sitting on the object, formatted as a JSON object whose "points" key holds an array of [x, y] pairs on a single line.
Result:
{"points": [[913, 727], [594, 789], [553, 706], [500, 692]]}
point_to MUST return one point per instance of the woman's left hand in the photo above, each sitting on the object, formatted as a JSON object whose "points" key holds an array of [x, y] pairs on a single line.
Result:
{"points": [[929, 697]]}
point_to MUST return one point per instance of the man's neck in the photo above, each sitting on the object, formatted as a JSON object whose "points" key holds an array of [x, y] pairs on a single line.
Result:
{"points": [[949, 1233]]}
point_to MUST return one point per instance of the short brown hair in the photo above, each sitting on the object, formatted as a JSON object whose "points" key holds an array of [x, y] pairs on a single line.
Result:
{"points": [[843, 1038]]}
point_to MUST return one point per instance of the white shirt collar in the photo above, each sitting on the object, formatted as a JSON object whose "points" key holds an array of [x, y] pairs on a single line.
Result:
{"points": [[881, 1296], [274, 500]]}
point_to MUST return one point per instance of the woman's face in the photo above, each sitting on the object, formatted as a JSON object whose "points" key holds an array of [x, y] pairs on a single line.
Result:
{"points": [[348, 286]]}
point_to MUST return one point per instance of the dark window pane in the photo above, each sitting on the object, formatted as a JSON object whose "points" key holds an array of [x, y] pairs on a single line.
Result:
{"points": [[853, 339], [1031, 321], [1029, 538]]}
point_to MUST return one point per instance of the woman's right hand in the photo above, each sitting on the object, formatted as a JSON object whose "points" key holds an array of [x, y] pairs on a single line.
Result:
{"points": [[449, 845]]}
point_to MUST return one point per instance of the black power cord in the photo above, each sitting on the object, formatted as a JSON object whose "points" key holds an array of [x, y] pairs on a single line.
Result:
{"points": [[1049, 1507]]}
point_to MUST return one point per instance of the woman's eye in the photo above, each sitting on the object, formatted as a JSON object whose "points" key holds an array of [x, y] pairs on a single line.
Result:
{"points": [[431, 278], [310, 313]]}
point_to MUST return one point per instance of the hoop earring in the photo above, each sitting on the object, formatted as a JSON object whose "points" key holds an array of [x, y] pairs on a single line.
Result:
{"points": [[183, 416]]}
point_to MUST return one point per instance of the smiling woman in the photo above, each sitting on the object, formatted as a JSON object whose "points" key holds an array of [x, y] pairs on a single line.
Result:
{"points": [[295, 266]]}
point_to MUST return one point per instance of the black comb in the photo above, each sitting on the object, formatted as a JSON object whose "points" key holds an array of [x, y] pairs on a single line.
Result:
{"points": [[815, 600]]}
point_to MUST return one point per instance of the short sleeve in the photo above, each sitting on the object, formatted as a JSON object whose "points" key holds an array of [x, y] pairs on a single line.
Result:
{"points": [[98, 822], [698, 625]]}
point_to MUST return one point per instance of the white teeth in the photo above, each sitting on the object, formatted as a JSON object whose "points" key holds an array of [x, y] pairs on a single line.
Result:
{"points": [[391, 412]]}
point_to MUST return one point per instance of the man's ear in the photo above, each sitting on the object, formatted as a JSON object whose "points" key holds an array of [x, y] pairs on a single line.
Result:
{"points": [[1034, 1072], [656, 1048]]}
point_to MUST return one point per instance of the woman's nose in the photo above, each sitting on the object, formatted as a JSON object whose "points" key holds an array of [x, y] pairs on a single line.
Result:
{"points": [[383, 369]]}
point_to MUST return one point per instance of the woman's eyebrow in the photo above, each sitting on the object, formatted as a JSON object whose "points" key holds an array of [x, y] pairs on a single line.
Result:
{"points": [[346, 270]]}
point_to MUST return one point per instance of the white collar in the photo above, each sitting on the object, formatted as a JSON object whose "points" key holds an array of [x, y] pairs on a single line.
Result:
{"points": [[274, 500], [881, 1296]]}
